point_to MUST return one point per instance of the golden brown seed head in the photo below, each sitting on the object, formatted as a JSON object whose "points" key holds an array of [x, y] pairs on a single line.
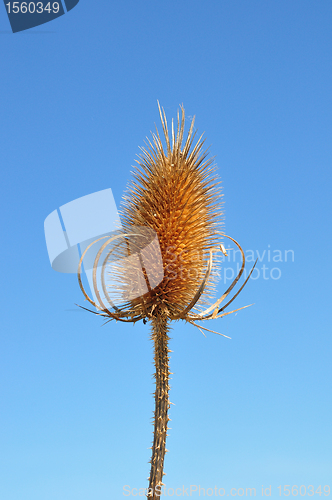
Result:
{"points": [[176, 193]]}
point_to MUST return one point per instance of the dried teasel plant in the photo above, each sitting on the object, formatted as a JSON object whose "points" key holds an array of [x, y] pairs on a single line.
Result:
{"points": [[160, 261]]}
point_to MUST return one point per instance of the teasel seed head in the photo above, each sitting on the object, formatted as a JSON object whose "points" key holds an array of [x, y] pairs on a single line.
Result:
{"points": [[162, 261], [176, 193]]}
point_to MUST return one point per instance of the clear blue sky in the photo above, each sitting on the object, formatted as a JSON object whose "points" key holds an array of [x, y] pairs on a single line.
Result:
{"points": [[78, 97]]}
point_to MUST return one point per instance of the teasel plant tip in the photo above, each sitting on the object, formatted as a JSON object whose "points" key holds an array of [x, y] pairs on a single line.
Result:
{"points": [[161, 265]]}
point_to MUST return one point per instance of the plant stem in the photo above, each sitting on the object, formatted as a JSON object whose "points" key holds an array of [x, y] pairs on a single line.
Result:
{"points": [[162, 404]]}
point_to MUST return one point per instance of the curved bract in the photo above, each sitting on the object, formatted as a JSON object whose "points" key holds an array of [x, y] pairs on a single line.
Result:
{"points": [[105, 312], [128, 315]]}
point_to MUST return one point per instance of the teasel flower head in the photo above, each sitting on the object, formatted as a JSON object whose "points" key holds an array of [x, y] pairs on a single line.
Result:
{"points": [[159, 264], [176, 193]]}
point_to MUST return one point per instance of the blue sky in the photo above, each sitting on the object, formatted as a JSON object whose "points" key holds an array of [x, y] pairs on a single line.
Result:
{"points": [[78, 97]]}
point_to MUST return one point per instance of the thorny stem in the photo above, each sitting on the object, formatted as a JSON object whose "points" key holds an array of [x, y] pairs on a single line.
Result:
{"points": [[162, 404]]}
